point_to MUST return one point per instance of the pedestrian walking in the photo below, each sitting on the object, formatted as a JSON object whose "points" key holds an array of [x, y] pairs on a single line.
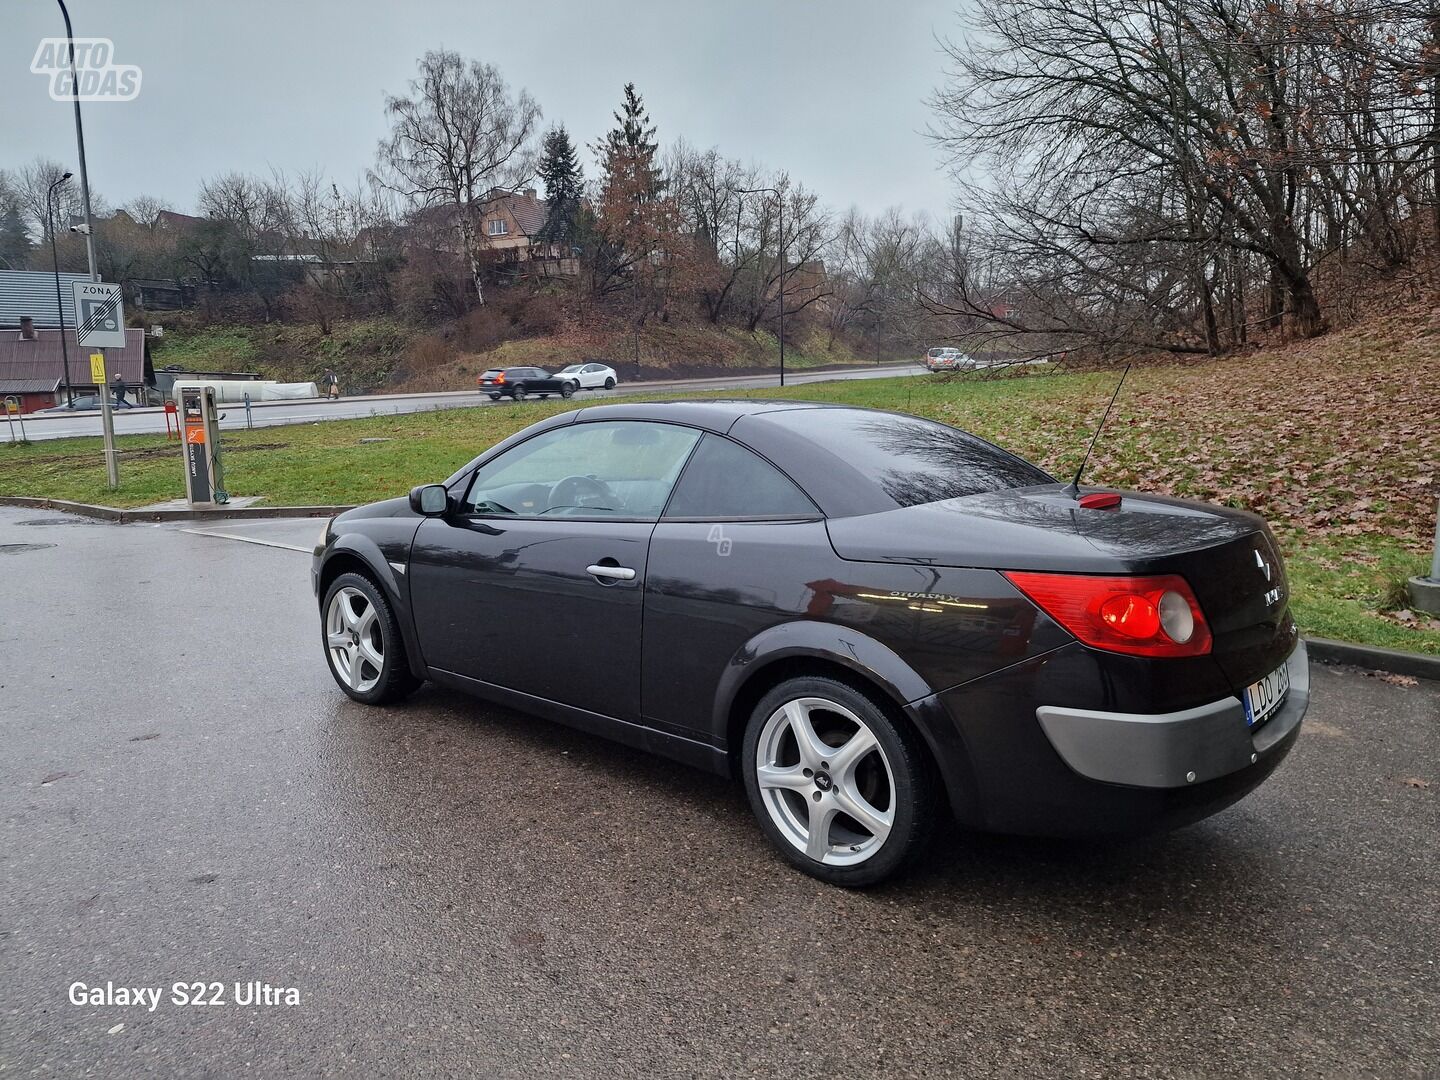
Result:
{"points": [[117, 384], [332, 383]]}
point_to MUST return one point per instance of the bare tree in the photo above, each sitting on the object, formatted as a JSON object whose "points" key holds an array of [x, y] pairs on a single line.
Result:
{"points": [[707, 188], [1163, 153], [252, 227], [32, 184], [779, 257], [457, 135]]}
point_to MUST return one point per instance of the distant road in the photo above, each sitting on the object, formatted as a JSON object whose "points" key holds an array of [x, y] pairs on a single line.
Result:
{"points": [[273, 413]]}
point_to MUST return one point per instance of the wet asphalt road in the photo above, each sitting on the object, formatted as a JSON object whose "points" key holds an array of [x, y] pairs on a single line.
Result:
{"points": [[455, 888]]}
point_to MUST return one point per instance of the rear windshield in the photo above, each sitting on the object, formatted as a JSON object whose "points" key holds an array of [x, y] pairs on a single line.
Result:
{"points": [[912, 460]]}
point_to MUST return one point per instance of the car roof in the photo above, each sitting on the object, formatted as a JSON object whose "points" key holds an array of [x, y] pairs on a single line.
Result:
{"points": [[837, 487], [718, 414]]}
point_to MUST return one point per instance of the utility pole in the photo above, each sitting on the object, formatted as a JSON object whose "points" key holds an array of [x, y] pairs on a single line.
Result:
{"points": [[107, 421]]}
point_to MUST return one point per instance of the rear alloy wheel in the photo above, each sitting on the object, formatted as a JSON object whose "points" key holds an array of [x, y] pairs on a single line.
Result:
{"points": [[609, 383], [494, 397], [363, 644], [519, 394], [567, 391], [846, 793]]}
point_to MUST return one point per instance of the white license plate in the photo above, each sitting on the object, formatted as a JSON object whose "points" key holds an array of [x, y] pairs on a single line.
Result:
{"points": [[1264, 697]]}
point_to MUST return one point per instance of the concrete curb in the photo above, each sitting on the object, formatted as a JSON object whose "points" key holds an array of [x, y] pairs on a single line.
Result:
{"points": [[1420, 665], [129, 517]]}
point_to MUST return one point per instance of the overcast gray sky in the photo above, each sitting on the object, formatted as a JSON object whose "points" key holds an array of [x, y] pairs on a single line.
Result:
{"points": [[832, 90]]}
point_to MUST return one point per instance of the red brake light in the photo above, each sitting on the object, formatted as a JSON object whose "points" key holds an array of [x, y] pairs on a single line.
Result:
{"points": [[1144, 616]]}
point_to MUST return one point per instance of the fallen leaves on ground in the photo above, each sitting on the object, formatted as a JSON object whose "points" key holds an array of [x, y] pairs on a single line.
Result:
{"points": [[1394, 679]]}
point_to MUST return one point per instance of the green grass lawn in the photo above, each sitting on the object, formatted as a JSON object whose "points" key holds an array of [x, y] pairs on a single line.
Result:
{"points": [[1340, 457]]}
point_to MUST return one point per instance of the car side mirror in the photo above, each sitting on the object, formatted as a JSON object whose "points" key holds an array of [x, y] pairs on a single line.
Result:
{"points": [[432, 500]]}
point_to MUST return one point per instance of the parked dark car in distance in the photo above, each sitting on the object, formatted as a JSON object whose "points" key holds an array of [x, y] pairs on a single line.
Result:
{"points": [[82, 403], [870, 618], [522, 382]]}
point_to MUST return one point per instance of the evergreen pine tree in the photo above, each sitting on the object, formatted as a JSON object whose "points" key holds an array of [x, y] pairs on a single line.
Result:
{"points": [[564, 181], [627, 154], [15, 242]]}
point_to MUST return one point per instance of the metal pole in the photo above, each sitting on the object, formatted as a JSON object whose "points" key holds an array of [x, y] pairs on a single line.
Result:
{"points": [[107, 420], [59, 303], [1435, 560], [780, 201]]}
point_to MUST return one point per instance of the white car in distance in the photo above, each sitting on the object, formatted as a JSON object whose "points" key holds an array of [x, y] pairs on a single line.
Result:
{"points": [[589, 376]]}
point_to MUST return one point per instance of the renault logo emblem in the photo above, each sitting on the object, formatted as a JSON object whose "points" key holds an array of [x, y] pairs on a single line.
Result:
{"points": [[1263, 564]]}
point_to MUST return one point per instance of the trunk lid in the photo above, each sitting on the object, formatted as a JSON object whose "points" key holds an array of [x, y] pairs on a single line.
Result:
{"points": [[1228, 556]]}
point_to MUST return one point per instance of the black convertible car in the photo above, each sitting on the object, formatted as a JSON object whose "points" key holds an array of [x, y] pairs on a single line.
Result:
{"points": [[872, 618]]}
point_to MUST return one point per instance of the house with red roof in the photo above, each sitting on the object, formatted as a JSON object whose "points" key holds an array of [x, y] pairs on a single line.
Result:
{"points": [[34, 367]]}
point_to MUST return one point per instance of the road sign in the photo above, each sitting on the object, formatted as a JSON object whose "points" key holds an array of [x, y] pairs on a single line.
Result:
{"points": [[97, 370], [100, 314]]}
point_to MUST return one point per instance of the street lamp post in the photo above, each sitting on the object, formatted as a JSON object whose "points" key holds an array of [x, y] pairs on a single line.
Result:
{"points": [[107, 422], [780, 206], [59, 303]]}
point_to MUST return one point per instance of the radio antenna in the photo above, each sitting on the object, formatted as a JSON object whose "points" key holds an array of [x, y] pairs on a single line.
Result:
{"points": [[1074, 488]]}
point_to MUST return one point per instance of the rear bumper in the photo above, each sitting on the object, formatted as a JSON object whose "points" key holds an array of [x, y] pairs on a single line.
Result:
{"points": [[1173, 750], [1014, 763]]}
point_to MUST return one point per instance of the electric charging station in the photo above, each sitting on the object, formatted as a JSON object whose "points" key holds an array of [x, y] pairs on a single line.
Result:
{"points": [[200, 428]]}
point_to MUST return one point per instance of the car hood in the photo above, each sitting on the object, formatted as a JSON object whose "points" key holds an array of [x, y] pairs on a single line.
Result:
{"points": [[387, 508], [1040, 528]]}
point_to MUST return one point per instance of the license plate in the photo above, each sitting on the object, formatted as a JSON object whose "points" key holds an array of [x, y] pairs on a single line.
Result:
{"points": [[1264, 697]]}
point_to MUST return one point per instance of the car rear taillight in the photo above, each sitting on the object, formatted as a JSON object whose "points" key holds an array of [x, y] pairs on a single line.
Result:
{"points": [[1144, 616], [500, 378]]}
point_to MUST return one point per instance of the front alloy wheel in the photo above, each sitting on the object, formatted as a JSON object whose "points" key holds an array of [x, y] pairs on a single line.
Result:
{"points": [[352, 633], [842, 789], [362, 642]]}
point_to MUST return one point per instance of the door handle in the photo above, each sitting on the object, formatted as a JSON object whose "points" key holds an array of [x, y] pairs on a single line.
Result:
{"points": [[612, 573]]}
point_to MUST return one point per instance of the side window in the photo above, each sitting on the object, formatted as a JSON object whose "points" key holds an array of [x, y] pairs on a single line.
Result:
{"points": [[726, 480], [619, 468]]}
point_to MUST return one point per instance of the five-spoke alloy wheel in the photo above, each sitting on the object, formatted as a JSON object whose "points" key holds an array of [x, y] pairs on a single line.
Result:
{"points": [[363, 643], [841, 788], [352, 633]]}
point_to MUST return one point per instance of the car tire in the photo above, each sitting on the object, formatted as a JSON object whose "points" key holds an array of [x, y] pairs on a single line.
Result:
{"points": [[494, 397], [609, 383], [518, 394], [891, 766], [356, 607], [567, 391]]}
